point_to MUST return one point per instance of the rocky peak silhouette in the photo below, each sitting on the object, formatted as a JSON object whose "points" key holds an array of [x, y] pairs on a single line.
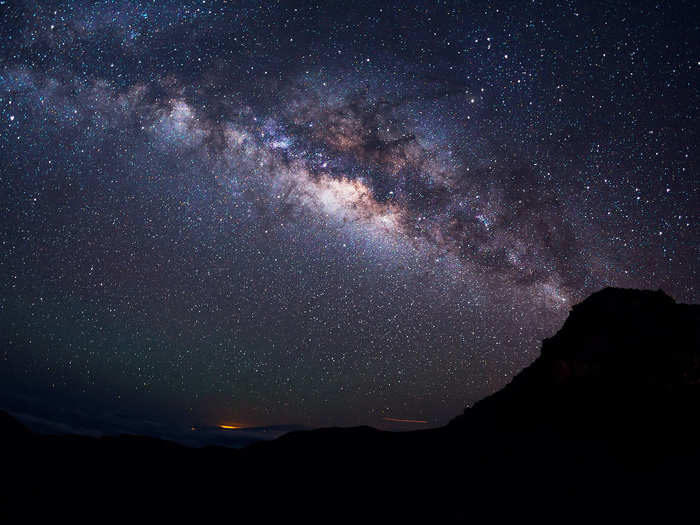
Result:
{"points": [[622, 356]]}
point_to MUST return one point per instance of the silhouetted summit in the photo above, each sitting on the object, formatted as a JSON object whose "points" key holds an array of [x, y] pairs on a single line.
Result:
{"points": [[622, 357], [605, 418]]}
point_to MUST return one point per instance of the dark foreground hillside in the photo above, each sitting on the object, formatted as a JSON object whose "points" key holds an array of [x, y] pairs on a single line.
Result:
{"points": [[604, 426]]}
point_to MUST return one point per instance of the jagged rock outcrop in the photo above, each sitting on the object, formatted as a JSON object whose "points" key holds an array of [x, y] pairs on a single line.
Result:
{"points": [[623, 359]]}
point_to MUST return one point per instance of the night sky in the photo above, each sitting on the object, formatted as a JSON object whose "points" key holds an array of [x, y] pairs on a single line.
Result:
{"points": [[257, 213]]}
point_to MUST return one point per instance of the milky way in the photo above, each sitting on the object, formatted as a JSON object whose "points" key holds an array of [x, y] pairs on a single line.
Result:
{"points": [[241, 214]]}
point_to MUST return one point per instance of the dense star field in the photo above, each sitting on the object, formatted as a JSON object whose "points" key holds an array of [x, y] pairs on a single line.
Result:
{"points": [[252, 213]]}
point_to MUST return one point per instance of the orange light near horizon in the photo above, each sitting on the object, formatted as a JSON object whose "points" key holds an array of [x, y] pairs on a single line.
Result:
{"points": [[397, 420], [228, 427]]}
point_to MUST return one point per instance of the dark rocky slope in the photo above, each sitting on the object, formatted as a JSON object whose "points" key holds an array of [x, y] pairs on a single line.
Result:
{"points": [[623, 359]]}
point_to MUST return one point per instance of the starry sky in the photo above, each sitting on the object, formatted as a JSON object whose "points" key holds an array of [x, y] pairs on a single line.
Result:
{"points": [[331, 213]]}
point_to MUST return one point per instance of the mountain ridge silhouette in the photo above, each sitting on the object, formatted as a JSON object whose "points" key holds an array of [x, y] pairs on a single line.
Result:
{"points": [[602, 423]]}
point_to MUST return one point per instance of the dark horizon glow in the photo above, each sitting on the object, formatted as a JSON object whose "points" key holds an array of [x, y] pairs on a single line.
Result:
{"points": [[283, 213]]}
